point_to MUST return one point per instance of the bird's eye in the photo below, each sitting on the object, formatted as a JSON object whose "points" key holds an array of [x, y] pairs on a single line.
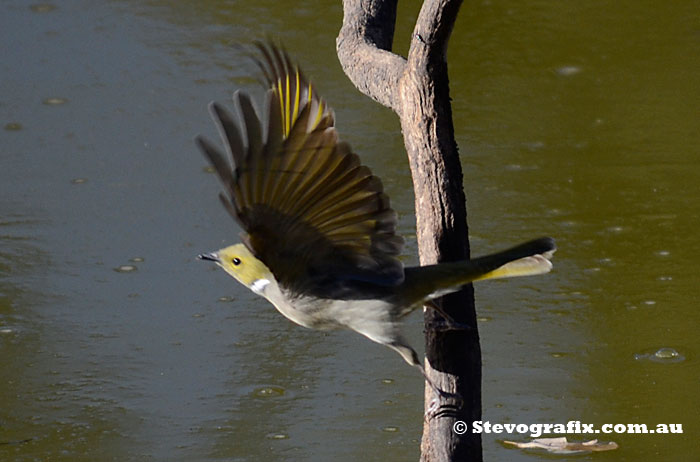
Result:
{"points": [[236, 261]]}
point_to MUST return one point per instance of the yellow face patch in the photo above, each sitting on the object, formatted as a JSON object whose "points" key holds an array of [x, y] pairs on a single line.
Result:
{"points": [[240, 263]]}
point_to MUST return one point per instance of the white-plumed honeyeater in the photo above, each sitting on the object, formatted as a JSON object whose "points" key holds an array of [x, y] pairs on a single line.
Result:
{"points": [[319, 238]]}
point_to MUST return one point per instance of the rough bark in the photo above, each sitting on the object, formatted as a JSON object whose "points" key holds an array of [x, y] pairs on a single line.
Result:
{"points": [[364, 49], [417, 89]]}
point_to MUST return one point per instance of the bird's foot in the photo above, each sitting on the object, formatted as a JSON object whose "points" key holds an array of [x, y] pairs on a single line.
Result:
{"points": [[444, 405]]}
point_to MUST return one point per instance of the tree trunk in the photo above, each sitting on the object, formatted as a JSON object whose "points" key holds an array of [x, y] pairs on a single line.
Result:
{"points": [[417, 89]]}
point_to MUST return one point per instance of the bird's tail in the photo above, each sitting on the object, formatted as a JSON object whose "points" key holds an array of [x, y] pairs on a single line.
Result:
{"points": [[526, 259]]}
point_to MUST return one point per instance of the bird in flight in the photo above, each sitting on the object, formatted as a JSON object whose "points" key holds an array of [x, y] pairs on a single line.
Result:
{"points": [[319, 237]]}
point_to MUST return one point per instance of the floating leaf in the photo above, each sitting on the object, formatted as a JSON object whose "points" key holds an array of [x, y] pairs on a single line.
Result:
{"points": [[562, 446]]}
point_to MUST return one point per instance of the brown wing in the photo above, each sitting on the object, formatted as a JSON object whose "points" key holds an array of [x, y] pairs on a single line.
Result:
{"points": [[312, 213]]}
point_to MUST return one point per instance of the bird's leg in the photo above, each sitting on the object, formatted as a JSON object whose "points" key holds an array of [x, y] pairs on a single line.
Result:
{"points": [[445, 404], [449, 322]]}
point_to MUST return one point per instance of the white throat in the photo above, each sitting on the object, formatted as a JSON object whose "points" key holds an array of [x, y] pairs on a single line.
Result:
{"points": [[259, 285]]}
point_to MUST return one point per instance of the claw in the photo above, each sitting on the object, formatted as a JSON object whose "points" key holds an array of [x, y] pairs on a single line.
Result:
{"points": [[444, 405]]}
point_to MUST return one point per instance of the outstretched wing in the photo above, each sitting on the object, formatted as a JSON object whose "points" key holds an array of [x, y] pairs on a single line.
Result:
{"points": [[312, 213]]}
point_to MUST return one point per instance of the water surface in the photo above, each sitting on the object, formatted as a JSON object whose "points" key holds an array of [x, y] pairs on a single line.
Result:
{"points": [[576, 121]]}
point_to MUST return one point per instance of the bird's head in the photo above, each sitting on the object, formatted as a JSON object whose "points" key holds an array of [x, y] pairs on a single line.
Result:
{"points": [[240, 263]]}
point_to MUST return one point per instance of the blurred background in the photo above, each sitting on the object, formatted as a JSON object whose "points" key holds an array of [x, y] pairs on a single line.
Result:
{"points": [[575, 120]]}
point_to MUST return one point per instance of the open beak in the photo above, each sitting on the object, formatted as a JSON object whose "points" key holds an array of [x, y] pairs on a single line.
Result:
{"points": [[209, 256]]}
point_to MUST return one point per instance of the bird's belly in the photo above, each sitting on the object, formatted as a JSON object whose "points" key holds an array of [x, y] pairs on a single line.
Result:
{"points": [[371, 318], [312, 315]]}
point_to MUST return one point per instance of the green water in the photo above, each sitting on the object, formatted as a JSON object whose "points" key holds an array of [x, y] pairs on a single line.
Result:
{"points": [[574, 120]]}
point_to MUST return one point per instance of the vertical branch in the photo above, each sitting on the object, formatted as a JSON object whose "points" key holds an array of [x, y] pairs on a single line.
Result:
{"points": [[429, 137], [453, 357], [417, 89]]}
